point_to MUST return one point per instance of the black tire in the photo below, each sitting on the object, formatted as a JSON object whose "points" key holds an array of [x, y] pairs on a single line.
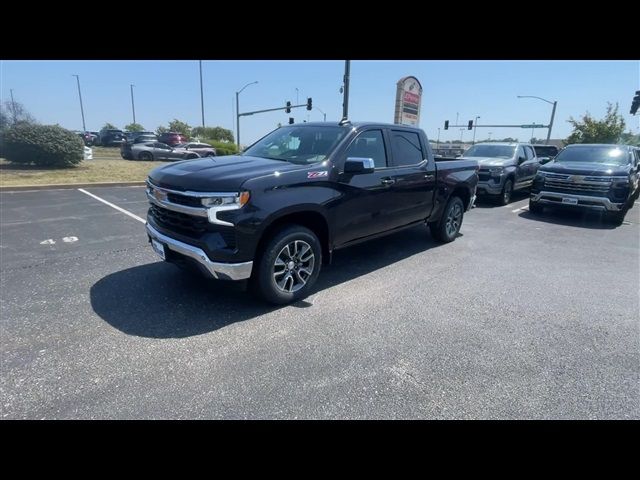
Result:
{"points": [[146, 156], [535, 207], [507, 190], [276, 288], [446, 229]]}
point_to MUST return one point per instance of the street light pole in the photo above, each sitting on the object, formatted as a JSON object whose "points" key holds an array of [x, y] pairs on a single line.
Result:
{"points": [[438, 141], [238, 112], [553, 112], [345, 100], [201, 96], [461, 132], [133, 105], [325, 115], [475, 124], [84, 128]]}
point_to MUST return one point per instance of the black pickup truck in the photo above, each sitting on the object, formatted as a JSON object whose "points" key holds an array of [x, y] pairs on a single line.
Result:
{"points": [[275, 213]]}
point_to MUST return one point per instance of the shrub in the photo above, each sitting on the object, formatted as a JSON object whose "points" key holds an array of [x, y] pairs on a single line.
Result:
{"points": [[223, 148], [43, 145]]}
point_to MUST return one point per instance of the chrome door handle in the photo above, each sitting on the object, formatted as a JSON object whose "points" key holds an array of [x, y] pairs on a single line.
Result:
{"points": [[429, 176], [387, 181]]}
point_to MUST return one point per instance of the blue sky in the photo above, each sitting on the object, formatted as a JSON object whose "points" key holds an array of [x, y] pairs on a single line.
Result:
{"points": [[171, 89]]}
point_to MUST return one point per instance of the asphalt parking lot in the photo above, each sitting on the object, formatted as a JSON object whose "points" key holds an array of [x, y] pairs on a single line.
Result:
{"points": [[522, 317]]}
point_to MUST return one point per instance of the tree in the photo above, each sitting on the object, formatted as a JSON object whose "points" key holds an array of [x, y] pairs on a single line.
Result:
{"points": [[180, 127], [109, 126], [134, 127], [12, 113], [590, 130], [629, 138], [161, 129], [213, 133]]}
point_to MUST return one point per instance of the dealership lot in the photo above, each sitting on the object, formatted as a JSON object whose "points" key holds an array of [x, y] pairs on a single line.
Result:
{"points": [[521, 317]]}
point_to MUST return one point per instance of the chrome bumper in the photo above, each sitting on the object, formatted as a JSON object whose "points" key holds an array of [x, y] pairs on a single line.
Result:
{"points": [[221, 271], [584, 201]]}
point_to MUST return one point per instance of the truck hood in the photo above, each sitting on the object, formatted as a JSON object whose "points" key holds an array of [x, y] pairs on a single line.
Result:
{"points": [[217, 174], [491, 161], [584, 168]]}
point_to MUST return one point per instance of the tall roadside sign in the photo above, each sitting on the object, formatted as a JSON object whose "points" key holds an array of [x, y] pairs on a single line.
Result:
{"points": [[408, 100]]}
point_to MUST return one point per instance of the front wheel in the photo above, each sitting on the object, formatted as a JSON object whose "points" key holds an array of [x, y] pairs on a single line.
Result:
{"points": [[507, 190], [146, 156], [447, 228], [289, 266]]}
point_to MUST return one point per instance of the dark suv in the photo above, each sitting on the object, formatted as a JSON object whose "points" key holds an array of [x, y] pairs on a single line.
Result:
{"points": [[109, 137], [172, 138]]}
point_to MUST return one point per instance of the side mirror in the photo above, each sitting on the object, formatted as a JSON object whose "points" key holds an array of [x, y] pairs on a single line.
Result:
{"points": [[544, 160], [521, 160], [359, 165]]}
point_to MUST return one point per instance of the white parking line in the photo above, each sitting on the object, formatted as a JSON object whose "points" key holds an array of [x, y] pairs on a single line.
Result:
{"points": [[113, 206], [521, 209]]}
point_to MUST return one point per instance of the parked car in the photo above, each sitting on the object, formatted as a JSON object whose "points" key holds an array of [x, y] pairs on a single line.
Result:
{"points": [[202, 149], [131, 136], [589, 176], [159, 151], [504, 168], [87, 137], [125, 147], [301, 192], [172, 138], [545, 153], [110, 137]]}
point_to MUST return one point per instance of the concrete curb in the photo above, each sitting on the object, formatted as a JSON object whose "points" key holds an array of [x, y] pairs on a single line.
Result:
{"points": [[19, 188]]}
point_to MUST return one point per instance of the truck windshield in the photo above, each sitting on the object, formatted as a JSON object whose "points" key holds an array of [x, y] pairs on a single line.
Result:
{"points": [[605, 155], [301, 145], [493, 151]]}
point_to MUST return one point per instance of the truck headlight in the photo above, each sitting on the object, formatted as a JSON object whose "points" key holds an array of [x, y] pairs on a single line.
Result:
{"points": [[496, 171], [227, 199], [224, 202]]}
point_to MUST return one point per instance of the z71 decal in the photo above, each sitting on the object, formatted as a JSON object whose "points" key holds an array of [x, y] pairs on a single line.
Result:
{"points": [[317, 174]]}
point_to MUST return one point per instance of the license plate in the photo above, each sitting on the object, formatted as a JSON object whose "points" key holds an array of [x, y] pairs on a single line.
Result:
{"points": [[158, 248], [570, 201]]}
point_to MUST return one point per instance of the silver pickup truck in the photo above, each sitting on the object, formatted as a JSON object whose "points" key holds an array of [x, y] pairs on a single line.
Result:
{"points": [[504, 168]]}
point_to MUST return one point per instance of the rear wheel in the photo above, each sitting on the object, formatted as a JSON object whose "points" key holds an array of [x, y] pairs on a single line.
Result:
{"points": [[146, 156], [447, 228], [289, 266]]}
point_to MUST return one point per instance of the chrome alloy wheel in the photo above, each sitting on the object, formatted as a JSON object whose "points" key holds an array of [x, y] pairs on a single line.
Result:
{"points": [[454, 220], [293, 266]]}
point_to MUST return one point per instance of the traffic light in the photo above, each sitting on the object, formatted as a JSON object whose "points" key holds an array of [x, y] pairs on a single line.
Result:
{"points": [[636, 103], [308, 103], [446, 124], [470, 126], [290, 120], [288, 109]]}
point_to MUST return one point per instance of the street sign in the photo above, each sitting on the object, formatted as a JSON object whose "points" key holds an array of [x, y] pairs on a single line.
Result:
{"points": [[533, 126]]}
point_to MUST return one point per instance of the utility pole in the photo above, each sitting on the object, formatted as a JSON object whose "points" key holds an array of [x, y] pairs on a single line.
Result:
{"points": [[13, 107], [475, 124], [553, 114], [345, 101], [461, 132], [133, 105], [201, 95], [438, 142], [84, 128]]}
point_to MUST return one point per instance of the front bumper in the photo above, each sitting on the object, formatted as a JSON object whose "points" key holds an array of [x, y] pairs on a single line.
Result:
{"points": [[220, 271], [581, 201], [489, 187]]}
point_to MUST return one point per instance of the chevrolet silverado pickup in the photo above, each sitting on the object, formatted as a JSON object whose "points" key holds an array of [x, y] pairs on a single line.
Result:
{"points": [[275, 213], [504, 168], [589, 176]]}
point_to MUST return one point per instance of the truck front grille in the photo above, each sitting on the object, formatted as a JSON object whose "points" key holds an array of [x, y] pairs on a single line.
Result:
{"points": [[190, 225]]}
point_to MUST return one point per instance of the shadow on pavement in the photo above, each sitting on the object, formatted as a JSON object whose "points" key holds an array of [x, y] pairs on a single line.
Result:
{"points": [[484, 201], [572, 218], [159, 300]]}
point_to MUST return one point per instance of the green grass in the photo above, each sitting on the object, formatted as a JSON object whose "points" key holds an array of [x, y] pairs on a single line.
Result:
{"points": [[106, 166]]}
